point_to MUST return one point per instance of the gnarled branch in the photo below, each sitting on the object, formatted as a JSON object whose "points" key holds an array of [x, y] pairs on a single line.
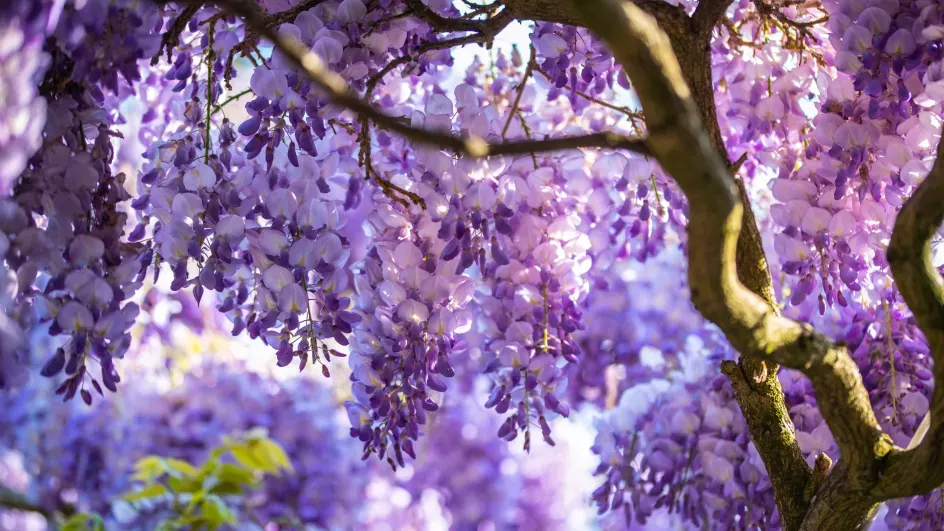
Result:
{"points": [[685, 150], [920, 469], [754, 379]]}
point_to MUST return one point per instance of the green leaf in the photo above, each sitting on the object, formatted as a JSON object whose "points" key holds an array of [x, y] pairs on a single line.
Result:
{"points": [[84, 522], [213, 462], [195, 500], [180, 466], [272, 453], [258, 452], [185, 485], [216, 512], [230, 473], [148, 469], [247, 457], [262, 454], [198, 490], [227, 489], [147, 492]]}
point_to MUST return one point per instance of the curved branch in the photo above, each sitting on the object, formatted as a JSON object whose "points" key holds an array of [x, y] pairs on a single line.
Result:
{"points": [[920, 469], [757, 388], [439, 22], [562, 12], [685, 150], [707, 15], [11, 499], [339, 92], [484, 30]]}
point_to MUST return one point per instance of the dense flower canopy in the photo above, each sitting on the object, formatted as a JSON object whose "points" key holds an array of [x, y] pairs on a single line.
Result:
{"points": [[458, 214]]}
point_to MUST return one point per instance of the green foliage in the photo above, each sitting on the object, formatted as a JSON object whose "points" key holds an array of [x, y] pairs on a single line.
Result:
{"points": [[84, 522], [196, 496]]}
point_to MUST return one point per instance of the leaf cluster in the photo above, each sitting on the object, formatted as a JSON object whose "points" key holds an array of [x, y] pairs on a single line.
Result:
{"points": [[197, 497]]}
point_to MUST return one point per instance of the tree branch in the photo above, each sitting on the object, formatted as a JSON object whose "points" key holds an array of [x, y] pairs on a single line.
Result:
{"points": [[596, 140], [439, 22], [11, 499], [513, 110], [340, 93], [171, 37], [920, 469], [561, 12], [707, 15], [631, 114], [761, 401], [484, 30], [754, 379], [757, 386], [685, 150]]}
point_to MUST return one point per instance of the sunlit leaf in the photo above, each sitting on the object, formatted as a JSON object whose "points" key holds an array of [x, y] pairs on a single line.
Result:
{"points": [[180, 466], [271, 452], [147, 492], [148, 469], [230, 473], [248, 458], [216, 512], [84, 522]]}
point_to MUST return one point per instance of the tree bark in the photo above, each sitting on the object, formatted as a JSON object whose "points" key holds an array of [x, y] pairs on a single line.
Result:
{"points": [[734, 297]]}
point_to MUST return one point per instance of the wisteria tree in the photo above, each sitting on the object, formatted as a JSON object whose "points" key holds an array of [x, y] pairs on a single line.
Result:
{"points": [[374, 202]]}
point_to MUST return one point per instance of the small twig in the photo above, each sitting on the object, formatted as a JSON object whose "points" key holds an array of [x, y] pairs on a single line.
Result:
{"points": [[380, 22], [171, 37], [231, 99], [343, 125], [802, 28], [376, 78], [527, 133], [478, 11], [209, 95], [439, 22], [520, 91], [391, 190], [632, 115], [736, 165]]}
